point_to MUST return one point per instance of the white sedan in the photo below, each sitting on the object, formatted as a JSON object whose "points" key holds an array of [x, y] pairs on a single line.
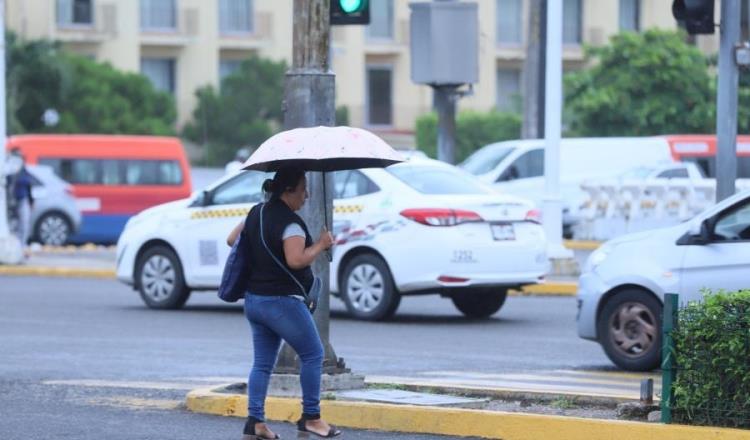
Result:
{"points": [[413, 228]]}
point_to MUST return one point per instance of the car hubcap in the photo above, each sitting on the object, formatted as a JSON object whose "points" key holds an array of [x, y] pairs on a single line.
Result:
{"points": [[53, 231], [633, 329], [365, 288], [158, 278]]}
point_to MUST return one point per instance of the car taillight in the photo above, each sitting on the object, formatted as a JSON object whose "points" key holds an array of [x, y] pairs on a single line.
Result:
{"points": [[441, 217], [534, 215]]}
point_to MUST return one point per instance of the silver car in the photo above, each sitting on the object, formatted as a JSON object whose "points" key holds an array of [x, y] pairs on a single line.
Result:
{"points": [[55, 217]]}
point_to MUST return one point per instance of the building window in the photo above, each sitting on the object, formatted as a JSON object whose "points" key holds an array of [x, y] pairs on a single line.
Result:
{"points": [[508, 89], [630, 14], [381, 20], [572, 21], [158, 14], [235, 16], [161, 73], [228, 67], [75, 12], [509, 22], [379, 95]]}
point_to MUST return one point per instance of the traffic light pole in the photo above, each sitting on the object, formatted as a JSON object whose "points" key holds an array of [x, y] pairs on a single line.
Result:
{"points": [[726, 100], [309, 101]]}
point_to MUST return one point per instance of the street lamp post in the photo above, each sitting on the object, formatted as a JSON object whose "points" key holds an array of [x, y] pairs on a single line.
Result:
{"points": [[10, 247]]}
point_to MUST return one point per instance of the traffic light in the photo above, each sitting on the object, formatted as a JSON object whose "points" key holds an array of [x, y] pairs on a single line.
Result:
{"points": [[350, 12], [698, 15]]}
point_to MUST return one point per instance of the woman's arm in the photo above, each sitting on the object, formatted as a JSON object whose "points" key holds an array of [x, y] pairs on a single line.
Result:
{"points": [[298, 256], [235, 233]]}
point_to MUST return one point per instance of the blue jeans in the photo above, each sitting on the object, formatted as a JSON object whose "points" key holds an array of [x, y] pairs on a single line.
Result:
{"points": [[273, 318]]}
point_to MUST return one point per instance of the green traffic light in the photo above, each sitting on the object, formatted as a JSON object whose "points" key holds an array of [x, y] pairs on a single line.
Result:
{"points": [[350, 6]]}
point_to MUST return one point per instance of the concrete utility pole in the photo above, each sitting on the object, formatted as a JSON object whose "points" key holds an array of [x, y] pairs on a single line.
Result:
{"points": [[309, 101], [726, 101], [10, 247], [533, 72], [552, 204]]}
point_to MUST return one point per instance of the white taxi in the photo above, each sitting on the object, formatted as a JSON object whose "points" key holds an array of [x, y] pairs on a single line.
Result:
{"points": [[414, 228]]}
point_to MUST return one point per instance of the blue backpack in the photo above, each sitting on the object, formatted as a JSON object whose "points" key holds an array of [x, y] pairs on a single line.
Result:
{"points": [[236, 274]]}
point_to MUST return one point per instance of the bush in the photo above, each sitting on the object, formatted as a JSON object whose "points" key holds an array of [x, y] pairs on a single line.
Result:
{"points": [[712, 355], [473, 131]]}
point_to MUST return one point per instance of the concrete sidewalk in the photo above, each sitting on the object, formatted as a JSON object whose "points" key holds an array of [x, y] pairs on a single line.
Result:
{"points": [[453, 421]]}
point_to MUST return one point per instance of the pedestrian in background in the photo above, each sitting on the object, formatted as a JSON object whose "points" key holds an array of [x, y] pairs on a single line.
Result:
{"points": [[23, 200], [274, 304], [239, 159]]}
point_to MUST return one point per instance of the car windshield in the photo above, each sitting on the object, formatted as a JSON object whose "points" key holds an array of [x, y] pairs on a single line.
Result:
{"points": [[439, 180], [486, 159]]}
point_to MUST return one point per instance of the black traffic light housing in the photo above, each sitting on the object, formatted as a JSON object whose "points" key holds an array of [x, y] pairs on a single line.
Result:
{"points": [[350, 12], [697, 15]]}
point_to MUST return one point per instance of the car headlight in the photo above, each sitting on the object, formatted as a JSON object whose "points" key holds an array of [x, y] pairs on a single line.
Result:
{"points": [[597, 258]]}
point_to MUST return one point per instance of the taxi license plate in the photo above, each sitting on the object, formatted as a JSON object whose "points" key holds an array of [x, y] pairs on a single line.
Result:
{"points": [[503, 232]]}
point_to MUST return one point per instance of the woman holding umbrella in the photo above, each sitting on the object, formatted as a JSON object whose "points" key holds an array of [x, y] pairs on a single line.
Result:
{"points": [[274, 303], [281, 252]]}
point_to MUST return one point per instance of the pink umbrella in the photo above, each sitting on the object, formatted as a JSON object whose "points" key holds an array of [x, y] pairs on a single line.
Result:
{"points": [[323, 149]]}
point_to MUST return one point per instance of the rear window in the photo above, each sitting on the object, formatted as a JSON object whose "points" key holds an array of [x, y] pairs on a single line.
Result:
{"points": [[127, 172], [439, 180]]}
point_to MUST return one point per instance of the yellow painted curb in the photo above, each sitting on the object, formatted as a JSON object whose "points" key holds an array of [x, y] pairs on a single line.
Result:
{"points": [[66, 272], [549, 289], [582, 245], [458, 422]]}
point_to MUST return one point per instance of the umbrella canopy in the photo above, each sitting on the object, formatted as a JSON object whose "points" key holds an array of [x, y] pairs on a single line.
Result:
{"points": [[323, 149]]}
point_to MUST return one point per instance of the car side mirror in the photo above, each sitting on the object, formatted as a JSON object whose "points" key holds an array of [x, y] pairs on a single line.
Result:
{"points": [[202, 199], [698, 234]]}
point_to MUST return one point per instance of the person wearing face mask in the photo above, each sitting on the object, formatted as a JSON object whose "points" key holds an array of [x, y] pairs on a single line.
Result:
{"points": [[274, 303]]}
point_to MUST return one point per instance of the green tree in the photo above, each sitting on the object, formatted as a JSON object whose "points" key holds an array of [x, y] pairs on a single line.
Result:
{"points": [[473, 130], [89, 97], [641, 84], [245, 111], [103, 99]]}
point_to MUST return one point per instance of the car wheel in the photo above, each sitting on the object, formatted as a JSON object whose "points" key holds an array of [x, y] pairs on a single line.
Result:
{"points": [[480, 303], [368, 290], [160, 279], [629, 328], [53, 229]]}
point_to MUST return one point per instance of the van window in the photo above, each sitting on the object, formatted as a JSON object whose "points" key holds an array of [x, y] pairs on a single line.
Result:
{"points": [[529, 164], [116, 171]]}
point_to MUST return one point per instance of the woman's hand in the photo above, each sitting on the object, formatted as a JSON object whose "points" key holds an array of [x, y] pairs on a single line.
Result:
{"points": [[326, 239], [235, 233]]}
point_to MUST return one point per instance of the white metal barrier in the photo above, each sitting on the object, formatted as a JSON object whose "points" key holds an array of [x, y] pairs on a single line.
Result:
{"points": [[615, 207]]}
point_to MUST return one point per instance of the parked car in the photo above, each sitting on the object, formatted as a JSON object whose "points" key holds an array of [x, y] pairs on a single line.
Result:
{"points": [[622, 285], [113, 177], [54, 216], [517, 167], [414, 228], [663, 170]]}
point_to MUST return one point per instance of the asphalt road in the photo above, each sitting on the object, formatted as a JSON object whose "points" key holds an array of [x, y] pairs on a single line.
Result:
{"points": [[85, 359]]}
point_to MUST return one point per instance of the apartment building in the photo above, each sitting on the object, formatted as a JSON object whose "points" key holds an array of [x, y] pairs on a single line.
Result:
{"points": [[181, 45]]}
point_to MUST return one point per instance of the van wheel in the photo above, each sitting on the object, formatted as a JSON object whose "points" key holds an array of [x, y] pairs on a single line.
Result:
{"points": [[53, 229], [368, 290], [160, 279], [629, 329], [481, 302]]}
